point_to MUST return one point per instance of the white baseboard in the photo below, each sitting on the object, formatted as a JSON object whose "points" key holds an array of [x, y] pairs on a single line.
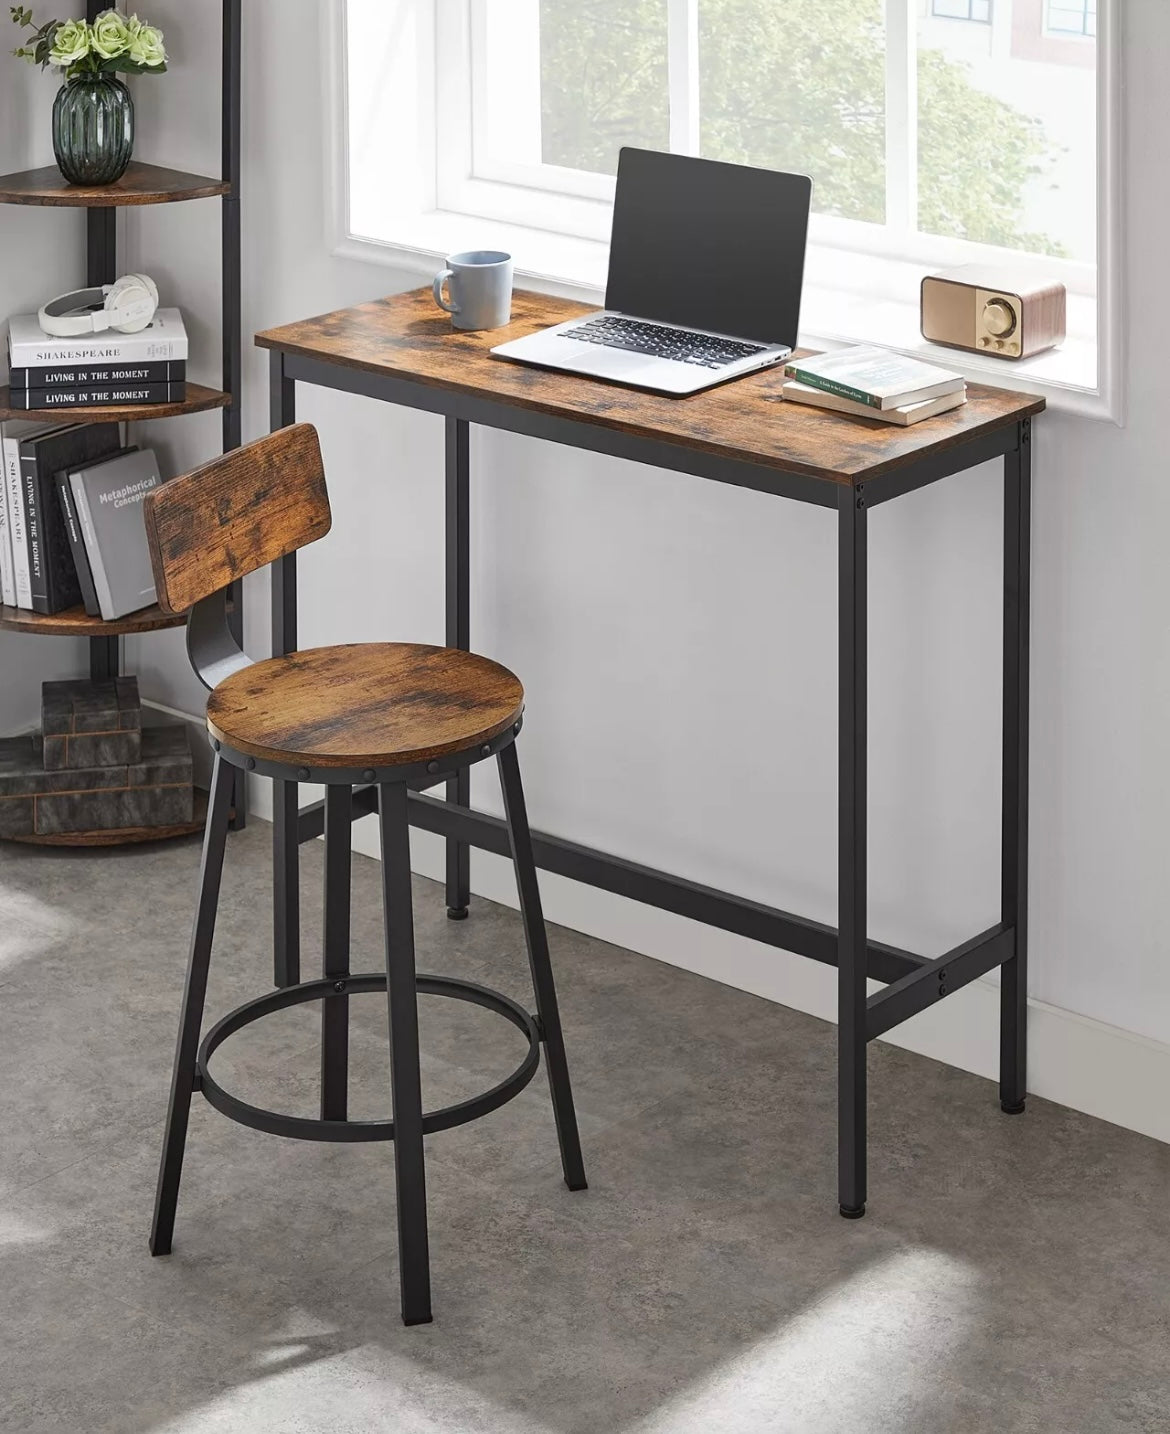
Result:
{"points": [[1073, 1060]]}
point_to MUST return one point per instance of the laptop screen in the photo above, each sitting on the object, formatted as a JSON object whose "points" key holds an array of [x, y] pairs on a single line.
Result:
{"points": [[708, 245]]}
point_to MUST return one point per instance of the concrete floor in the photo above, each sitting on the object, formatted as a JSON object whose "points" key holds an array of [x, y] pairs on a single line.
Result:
{"points": [[1013, 1274]]}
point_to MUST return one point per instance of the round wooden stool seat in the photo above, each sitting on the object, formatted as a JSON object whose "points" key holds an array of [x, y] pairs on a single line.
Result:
{"points": [[376, 704]]}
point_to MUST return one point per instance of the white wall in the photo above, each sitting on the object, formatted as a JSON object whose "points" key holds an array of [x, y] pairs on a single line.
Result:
{"points": [[677, 639]]}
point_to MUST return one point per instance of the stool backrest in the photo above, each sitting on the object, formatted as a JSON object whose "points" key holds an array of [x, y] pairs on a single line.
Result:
{"points": [[236, 514]]}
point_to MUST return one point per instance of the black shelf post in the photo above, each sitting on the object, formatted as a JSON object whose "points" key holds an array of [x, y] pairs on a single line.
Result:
{"points": [[233, 356], [105, 653]]}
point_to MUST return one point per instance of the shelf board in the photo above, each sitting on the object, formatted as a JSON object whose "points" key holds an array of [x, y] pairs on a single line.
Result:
{"points": [[75, 622], [141, 184], [125, 836], [197, 401]]}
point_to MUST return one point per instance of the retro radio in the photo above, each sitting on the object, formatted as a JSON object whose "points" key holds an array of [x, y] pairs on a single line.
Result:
{"points": [[984, 311]]}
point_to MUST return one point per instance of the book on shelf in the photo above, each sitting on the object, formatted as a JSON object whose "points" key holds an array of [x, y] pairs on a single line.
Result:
{"points": [[53, 579], [163, 340], [874, 376], [108, 500], [73, 532], [98, 374], [96, 396], [7, 571], [11, 436], [796, 392]]}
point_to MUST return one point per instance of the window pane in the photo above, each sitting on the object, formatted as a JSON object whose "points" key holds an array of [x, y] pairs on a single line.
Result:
{"points": [[799, 86], [1072, 17], [603, 80], [1007, 133]]}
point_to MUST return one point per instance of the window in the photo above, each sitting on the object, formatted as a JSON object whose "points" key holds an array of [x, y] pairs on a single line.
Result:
{"points": [[1071, 17], [903, 129], [962, 10], [929, 143]]}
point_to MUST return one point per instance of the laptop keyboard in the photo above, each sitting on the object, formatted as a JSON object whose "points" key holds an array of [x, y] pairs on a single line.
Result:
{"points": [[658, 341]]}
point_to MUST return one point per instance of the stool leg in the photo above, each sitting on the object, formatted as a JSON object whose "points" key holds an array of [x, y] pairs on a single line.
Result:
{"points": [[542, 977], [406, 1082], [194, 994], [335, 944]]}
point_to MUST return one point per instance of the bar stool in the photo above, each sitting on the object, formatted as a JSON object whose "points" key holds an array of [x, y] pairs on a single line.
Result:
{"points": [[401, 717]]}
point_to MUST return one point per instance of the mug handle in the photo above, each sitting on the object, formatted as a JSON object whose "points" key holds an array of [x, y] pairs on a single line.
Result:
{"points": [[437, 290]]}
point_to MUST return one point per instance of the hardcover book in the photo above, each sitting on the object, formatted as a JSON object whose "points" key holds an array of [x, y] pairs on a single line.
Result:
{"points": [[53, 578], [87, 375], [905, 415], [108, 498], [13, 434], [77, 541], [7, 570], [874, 376], [105, 396], [29, 346]]}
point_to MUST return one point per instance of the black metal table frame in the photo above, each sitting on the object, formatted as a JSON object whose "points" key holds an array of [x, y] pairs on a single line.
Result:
{"points": [[912, 982]]}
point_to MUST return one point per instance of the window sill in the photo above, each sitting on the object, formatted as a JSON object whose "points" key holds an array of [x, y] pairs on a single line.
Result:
{"points": [[848, 298]]}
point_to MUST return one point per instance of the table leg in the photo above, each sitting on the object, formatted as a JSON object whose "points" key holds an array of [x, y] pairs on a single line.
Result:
{"points": [[458, 598], [851, 852], [1013, 1023], [286, 893]]}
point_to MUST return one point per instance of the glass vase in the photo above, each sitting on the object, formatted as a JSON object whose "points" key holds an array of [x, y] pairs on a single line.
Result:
{"points": [[93, 129]]}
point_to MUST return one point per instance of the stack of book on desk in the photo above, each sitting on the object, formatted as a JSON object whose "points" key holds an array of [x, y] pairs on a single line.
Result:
{"points": [[872, 382], [105, 370]]}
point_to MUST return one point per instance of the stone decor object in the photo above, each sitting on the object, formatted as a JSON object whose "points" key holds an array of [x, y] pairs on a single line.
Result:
{"points": [[96, 768], [91, 724]]}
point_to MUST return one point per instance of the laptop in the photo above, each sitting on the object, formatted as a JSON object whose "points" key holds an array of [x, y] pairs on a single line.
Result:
{"points": [[706, 266]]}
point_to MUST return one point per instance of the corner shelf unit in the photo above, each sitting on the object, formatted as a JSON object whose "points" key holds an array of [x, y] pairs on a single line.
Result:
{"points": [[144, 184]]}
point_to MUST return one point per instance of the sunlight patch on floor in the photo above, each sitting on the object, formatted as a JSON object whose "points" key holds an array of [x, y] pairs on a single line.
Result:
{"points": [[19, 1230], [876, 1344]]}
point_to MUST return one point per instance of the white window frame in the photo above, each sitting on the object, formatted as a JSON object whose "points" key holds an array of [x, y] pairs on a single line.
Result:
{"points": [[449, 197]]}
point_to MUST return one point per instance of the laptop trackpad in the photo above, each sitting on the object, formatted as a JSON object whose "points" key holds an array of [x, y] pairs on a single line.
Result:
{"points": [[618, 364]]}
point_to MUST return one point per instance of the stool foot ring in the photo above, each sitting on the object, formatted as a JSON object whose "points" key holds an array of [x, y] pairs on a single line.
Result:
{"points": [[298, 1127]]}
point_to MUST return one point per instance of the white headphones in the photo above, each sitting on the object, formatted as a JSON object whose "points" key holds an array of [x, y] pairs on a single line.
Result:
{"points": [[128, 306]]}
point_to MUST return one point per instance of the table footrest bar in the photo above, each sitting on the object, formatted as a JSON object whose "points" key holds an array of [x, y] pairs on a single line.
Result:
{"points": [[939, 978], [716, 908], [299, 1127]]}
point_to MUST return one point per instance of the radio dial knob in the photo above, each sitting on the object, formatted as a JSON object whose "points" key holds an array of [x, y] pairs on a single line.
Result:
{"points": [[999, 318]]}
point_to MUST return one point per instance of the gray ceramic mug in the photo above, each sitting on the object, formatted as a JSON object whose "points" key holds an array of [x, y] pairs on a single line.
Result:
{"points": [[480, 286]]}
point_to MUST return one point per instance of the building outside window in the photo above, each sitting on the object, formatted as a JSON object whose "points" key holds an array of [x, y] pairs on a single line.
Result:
{"points": [[962, 10], [1071, 17]]}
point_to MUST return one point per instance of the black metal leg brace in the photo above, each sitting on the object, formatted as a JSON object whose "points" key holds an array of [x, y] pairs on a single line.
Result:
{"points": [[335, 945], [536, 938], [401, 995], [851, 852], [458, 600], [194, 994], [286, 895]]}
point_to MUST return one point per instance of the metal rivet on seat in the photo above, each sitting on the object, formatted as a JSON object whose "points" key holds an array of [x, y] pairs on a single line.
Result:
{"points": [[215, 744], [432, 766], [516, 729], [486, 749], [370, 775], [303, 774], [251, 764]]}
